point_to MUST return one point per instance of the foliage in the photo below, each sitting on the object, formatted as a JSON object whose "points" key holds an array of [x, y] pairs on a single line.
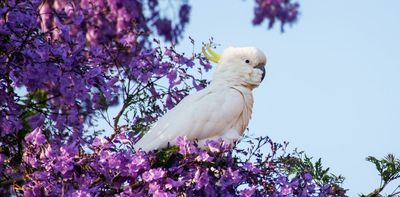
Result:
{"points": [[389, 171], [298, 162]]}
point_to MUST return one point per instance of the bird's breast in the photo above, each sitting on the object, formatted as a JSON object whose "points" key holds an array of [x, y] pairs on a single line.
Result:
{"points": [[245, 116]]}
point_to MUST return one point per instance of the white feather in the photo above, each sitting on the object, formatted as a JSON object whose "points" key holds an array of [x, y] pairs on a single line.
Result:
{"points": [[204, 114]]}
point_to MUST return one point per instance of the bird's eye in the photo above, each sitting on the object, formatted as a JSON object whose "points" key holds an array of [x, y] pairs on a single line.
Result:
{"points": [[247, 61]]}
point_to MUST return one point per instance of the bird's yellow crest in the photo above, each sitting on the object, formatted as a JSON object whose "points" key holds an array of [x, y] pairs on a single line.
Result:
{"points": [[211, 55]]}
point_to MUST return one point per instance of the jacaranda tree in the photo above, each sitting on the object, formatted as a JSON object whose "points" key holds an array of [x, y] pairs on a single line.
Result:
{"points": [[64, 63]]}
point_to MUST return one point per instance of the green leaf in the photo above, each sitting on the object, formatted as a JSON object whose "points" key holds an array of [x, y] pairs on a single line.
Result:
{"points": [[167, 156], [376, 162]]}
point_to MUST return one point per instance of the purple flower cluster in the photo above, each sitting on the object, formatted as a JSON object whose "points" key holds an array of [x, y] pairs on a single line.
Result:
{"points": [[217, 170], [284, 11], [105, 21], [69, 56], [62, 63]]}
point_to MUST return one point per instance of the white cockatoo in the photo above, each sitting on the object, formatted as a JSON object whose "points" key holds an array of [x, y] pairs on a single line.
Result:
{"points": [[221, 110]]}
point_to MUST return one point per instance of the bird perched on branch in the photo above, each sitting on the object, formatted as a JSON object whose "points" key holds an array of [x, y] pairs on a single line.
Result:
{"points": [[221, 110]]}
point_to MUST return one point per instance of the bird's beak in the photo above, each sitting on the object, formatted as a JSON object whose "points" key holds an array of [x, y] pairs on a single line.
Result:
{"points": [[262, 68], [211, 55]]}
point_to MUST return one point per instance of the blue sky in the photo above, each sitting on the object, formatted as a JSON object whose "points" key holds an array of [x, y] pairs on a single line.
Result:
{"points": [[333, 79]]}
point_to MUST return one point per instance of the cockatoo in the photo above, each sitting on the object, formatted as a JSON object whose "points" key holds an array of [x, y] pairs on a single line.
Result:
{"points": [[221, 110]]}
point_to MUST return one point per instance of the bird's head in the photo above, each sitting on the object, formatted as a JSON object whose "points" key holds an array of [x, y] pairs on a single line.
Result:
{"points": [[245, 65]]}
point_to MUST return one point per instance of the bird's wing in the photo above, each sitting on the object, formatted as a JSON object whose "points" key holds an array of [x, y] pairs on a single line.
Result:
{"points": [[205, 114]]}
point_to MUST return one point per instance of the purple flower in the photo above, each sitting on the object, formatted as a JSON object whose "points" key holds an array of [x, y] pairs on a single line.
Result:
{"points": [[286, 190], [217, 146], [64, 162], [248, 192], [201, 178], [164, 28], [307, 177], [81, 193], [326, 190], [153, 174], [171, 77], [121, 138], [159, 193], [36, 120], [2, 158], [169, 103], [47, 153], [198, 86], [100, 143], [230, 177], [154, 187], [36, 137], [171, 183], [284, 11], [93, 73], [183, 60], [206, 65], [250, 167], [204, 156], [283, 180], [139, 162], [183, 145]]}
